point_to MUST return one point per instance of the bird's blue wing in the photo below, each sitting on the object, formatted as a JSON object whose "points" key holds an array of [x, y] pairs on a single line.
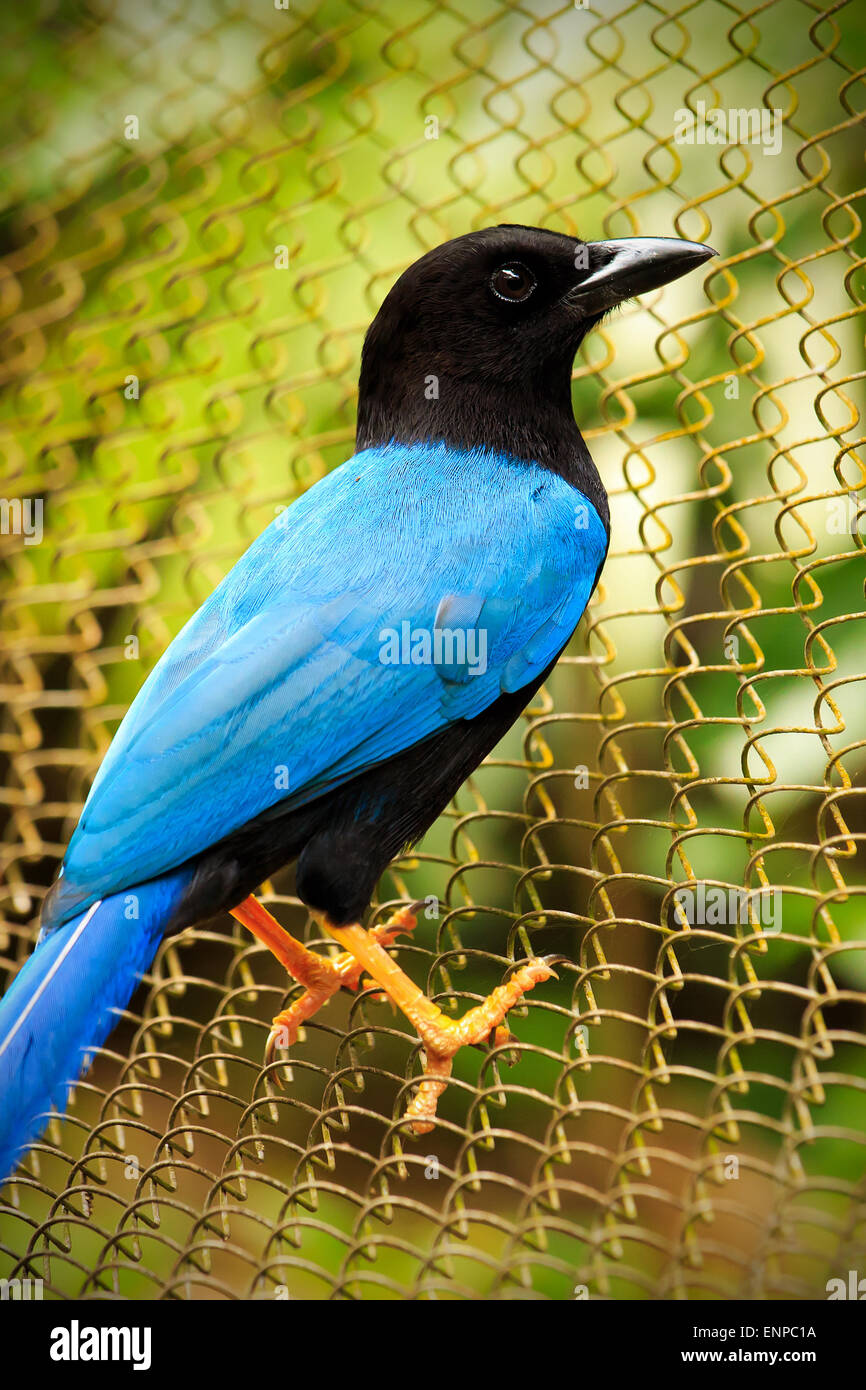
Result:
{"points": [[312, 659]]}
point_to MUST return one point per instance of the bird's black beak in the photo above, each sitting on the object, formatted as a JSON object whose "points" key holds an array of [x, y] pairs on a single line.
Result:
{"points": [[616, 270]]}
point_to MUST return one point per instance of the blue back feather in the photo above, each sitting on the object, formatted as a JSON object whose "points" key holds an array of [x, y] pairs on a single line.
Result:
{"points": [[279, 677]]}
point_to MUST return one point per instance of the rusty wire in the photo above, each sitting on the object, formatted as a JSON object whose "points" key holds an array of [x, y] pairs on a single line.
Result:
{"points": [[686, 1116]]}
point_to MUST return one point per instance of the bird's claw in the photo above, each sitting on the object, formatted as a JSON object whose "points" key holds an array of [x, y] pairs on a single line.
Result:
{"points": [[284, 1031]]}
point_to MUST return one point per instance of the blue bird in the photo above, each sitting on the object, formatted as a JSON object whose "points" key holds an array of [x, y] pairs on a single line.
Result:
{"points": [[360, 660]]}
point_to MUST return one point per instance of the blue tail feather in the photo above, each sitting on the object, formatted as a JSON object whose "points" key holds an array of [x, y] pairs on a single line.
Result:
{"points": [[62, 1003]]}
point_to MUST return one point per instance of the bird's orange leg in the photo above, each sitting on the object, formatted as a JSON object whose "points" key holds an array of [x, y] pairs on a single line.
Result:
{"points": [[442, 1037], [320, 976]]}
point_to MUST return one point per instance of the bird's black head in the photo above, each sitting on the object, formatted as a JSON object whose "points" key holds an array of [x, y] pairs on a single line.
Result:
{"points": [[475, 342]]}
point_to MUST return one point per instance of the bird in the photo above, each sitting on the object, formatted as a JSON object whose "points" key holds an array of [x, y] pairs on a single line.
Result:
{"points": [[371, 647]]}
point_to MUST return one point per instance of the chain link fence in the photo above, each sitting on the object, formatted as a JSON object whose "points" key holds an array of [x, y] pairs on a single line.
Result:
{"points": [[201, 207]]}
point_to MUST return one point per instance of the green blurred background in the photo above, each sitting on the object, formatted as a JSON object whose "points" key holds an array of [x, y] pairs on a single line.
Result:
{"points": [[201, 208]]}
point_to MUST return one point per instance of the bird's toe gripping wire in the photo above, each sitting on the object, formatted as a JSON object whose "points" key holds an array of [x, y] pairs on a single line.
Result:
{"points": [[442, 1036], [320, 976]]}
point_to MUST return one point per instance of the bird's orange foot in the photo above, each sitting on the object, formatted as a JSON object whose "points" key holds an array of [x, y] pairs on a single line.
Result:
{"points": [[443, 1037], [366, 951]]}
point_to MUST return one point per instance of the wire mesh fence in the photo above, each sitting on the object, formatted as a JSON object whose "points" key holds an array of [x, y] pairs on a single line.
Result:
{"points": [[202, 207]]}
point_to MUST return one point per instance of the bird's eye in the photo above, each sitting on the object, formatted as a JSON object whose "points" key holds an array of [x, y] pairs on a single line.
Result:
{"points": [[512, 282]]}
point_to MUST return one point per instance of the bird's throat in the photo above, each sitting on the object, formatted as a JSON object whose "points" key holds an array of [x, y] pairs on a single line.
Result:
{"points": [[534, 422]]}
